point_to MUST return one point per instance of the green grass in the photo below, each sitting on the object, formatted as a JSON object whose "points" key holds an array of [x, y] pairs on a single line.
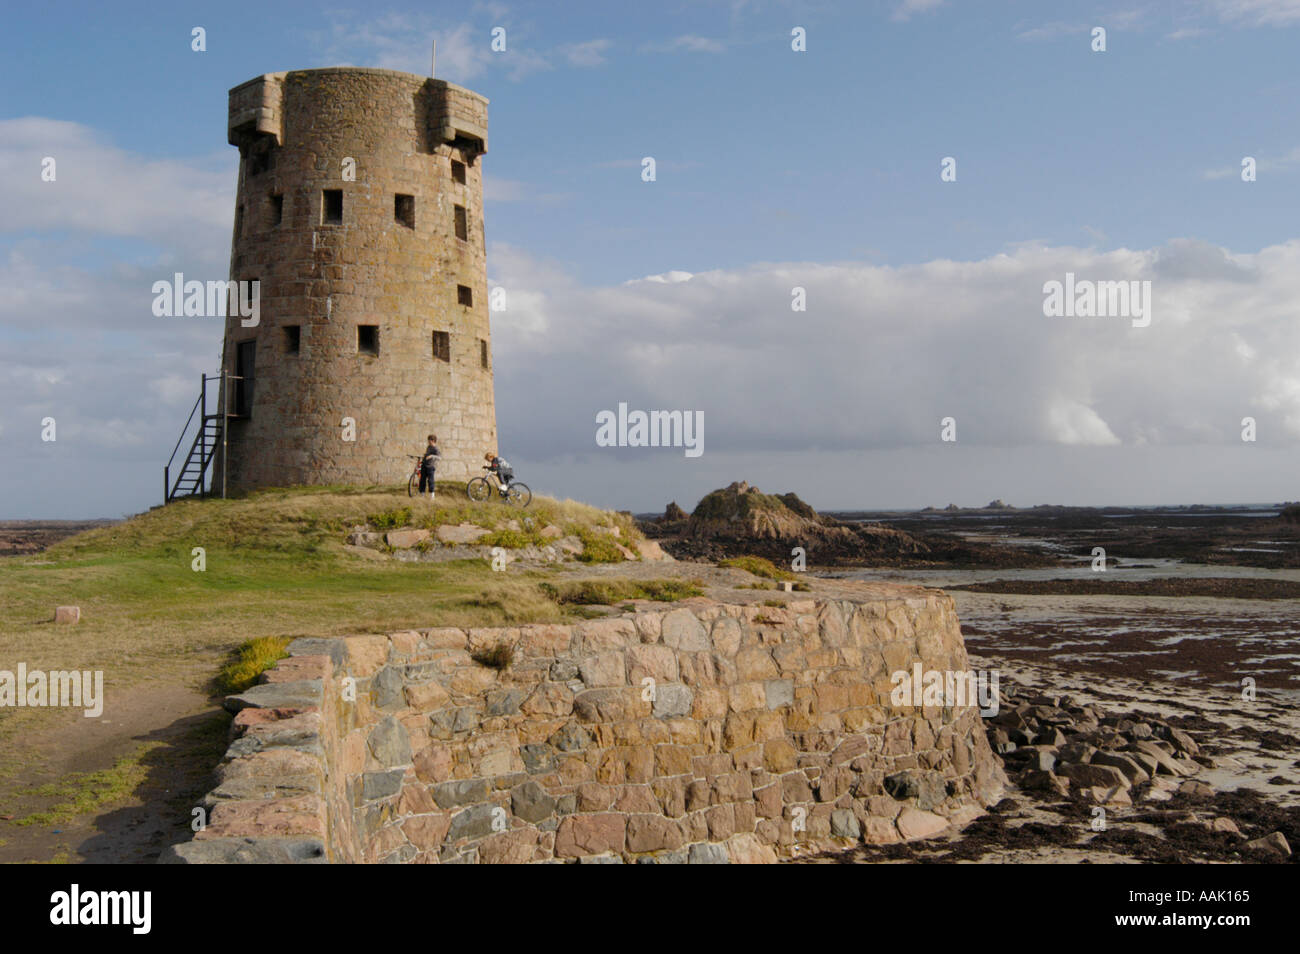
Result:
{"points": [[390, 519], [512, 539], [758, 566], [83, 792], [612, 592], [253, 658], [276, 567]]}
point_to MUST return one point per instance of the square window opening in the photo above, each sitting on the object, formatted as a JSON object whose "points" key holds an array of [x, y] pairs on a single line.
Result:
{"points": [[465, 296], [404, 210], [458, 171], [331, 209], [368, 339], [442, 346]]}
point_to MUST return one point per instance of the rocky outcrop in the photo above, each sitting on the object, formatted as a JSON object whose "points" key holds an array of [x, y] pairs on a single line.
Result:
{"points": [[741, 520], [1049, 743]]}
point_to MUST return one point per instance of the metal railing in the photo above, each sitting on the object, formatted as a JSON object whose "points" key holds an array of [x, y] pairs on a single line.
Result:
{"points": [[199, 444]]}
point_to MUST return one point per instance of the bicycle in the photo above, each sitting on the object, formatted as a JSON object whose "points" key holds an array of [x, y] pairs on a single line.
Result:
{"points": [[480, 489], [413, 482]]}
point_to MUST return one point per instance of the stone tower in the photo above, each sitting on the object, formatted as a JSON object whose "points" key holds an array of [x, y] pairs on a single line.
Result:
{"points": [[360, 213]]}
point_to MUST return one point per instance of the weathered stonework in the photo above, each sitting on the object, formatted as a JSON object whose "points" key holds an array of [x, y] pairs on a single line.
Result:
{"points": [[703, 733], [296, 134]]}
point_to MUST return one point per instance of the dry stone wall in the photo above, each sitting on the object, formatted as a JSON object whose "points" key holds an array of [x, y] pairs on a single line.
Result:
{"points": [[707, 733]]}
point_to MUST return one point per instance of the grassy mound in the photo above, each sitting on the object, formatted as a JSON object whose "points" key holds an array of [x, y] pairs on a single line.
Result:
{"points": [[171, 593], [306, 521]]}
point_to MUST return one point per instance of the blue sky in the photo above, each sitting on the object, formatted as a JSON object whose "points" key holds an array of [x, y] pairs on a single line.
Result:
{"points": [[775, 169]]}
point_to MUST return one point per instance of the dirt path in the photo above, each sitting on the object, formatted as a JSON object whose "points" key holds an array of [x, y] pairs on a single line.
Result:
{"points": [[171, 728]]}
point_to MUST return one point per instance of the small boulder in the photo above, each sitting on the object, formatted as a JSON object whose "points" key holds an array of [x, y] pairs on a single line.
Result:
{"points": [[1274, 844], [651, 551], [461, 533], [405, 539], [1222, 825], [67, 614], [1087, 775], [1132, 771]]}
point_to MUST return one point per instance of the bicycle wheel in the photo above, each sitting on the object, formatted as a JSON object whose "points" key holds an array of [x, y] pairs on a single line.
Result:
{"points": [[520, 495], [478, 489], [413, 486]]}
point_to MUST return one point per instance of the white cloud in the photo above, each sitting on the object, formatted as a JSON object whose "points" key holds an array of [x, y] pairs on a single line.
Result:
{"points": [[909, 8], [882, 354], [686, 43], [404, 41], [1073, 423], [1265, 163], [1258, 12], [100, 189], [669, 278], [589, 53]]}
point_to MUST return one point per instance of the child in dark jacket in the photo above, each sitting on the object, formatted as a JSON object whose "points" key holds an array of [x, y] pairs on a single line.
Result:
{"points": [[501, 467], [429, 464]]}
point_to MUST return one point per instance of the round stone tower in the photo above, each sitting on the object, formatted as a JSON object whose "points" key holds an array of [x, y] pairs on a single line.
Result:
{"points": [[360, 216]]}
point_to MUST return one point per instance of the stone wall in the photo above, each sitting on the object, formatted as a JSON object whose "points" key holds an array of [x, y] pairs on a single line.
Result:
{"points": [[709, 732], [404, 134]]}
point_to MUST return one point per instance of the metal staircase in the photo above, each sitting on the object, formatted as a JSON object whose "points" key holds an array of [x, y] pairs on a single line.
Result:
{"points": [[208, 434]]}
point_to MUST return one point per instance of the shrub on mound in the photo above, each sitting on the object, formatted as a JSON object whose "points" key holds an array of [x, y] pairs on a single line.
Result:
{"points": [[598, 547], [758, 566]]}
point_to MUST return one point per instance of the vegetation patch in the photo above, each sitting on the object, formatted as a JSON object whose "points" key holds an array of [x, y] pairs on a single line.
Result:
{"points": [[759, 566], [390, 519], [511, 539], [613, 592], [598, 547], [84, 792], [252, 658]]}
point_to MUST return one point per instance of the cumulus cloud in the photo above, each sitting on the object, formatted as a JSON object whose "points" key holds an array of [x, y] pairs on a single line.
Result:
{"points": [[883, 354], [78, 339], [100, 189]]}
